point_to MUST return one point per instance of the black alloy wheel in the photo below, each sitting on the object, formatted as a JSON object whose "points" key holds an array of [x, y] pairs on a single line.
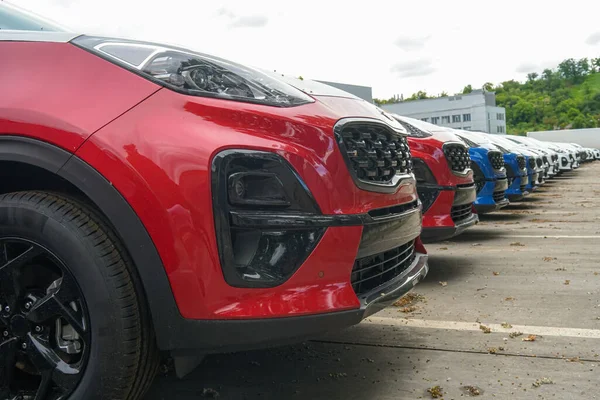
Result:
{"points": [[44, 326], [74, 321]]}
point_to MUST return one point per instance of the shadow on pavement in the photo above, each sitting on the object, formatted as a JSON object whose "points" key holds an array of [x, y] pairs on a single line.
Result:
{"points": [[448, 268], [310, 370]]}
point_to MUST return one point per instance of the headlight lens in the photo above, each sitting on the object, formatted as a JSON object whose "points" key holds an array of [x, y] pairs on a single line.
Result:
{"points": [[414, 131], [194, 73]]}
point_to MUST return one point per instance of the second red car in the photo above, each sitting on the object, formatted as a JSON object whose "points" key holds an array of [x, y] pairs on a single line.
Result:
{"points": [[445, 184]]}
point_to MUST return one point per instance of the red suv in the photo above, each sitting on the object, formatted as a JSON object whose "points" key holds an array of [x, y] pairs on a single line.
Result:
{"points": [[158, 199], [445, 184]]}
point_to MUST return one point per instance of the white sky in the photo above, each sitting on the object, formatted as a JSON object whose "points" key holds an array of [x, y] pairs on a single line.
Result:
{"points": [[397, 47]]}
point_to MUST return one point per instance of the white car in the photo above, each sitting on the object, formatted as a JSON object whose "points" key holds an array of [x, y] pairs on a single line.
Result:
{"points": [[549, 156]]}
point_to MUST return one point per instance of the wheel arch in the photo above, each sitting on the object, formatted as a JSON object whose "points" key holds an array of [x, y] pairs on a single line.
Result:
{"points": [[77, 177]]}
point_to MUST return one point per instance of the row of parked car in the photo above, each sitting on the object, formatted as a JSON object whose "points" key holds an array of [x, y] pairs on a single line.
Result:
{"points": [[156, 201], [461, 174]]}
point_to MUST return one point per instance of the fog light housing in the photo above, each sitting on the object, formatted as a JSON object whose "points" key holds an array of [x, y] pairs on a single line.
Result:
{"points": [[426, 183], [256, 196]]}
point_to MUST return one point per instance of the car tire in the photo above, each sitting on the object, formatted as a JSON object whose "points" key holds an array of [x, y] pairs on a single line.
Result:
{"points": [[121, 359]]}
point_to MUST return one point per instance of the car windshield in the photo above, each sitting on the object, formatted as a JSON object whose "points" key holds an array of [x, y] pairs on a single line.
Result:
{"points": [[13, 18], [424, 126]]}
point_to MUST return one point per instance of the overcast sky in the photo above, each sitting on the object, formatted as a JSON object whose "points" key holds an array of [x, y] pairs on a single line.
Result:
{"points": [[397, 47]]}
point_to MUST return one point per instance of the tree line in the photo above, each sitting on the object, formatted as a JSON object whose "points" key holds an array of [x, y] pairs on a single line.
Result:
{"points": [[565, 97]]}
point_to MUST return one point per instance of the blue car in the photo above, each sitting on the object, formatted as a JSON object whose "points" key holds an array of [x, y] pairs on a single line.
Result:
{"points": [[516, 169], [489, 172]]}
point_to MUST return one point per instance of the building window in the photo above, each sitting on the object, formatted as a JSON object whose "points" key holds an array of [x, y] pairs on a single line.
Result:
{"points": [[500, 116], [446, 119], [466, 117], [456, 118], [500, 129], [435, 120], [467, 128], [425, 119]]}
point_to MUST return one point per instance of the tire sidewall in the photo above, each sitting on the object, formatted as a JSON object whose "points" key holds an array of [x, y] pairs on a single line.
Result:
{"points": [[68, 243]]}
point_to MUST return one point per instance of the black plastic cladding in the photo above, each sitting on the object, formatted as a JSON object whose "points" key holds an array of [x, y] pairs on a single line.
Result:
{"points": [[462, 212], [539, 162], [499, 196], [496, 159], [521, 162], [301, 201], [458, 157], [370, 272], [377, 156]]}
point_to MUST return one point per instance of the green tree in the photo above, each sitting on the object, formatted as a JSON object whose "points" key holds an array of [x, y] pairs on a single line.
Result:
{"points": [[532, 76], [488, 87], [467, 89], [523, 111]]}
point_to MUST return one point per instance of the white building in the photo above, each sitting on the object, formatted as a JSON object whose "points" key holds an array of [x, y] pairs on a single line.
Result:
{"points": [[476, 111], [589, 137]]}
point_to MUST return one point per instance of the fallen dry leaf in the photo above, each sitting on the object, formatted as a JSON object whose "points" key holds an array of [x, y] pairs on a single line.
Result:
{"points": [[506, 325], [567, 282], [408, 309], [436, 392], [509, 299], [471, 390], [443, 283], [492, 350], [496, 273], [548, 259], [409, 299], [443, 248], [574, 359], [543, 381], [210, 393], [515, 334], [517, 244], [596, 273], [485, 329], [530, 338]]}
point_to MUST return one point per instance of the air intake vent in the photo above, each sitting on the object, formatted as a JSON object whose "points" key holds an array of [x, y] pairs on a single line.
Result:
{"points": [[496, 159], [370, 272], [375, 154], [457, 156], [521, 162]]}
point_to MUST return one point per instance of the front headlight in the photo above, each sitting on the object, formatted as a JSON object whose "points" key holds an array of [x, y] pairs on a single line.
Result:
{"points": [[194, 73]]}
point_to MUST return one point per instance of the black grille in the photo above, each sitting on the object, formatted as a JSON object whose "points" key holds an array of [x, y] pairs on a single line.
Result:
{"points": [[460, 213], [555, 157], [531, 162], [545, 160], [521, 162], [539, 162], [373, 271], [457, 156], [496, 159], [375, 153], [498, 196]]}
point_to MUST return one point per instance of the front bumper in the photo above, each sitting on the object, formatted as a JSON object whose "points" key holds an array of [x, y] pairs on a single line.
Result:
{"points": [[517, 190], [217, 336], [451, 214], [492, 196]]}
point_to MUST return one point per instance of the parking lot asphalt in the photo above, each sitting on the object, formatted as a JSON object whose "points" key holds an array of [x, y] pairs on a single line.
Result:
{"points": [[529, 274]]}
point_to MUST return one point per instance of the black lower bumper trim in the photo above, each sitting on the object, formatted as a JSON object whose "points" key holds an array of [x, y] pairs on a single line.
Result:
{"points": [[436, 234], [218, 336], [488, 208]]}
